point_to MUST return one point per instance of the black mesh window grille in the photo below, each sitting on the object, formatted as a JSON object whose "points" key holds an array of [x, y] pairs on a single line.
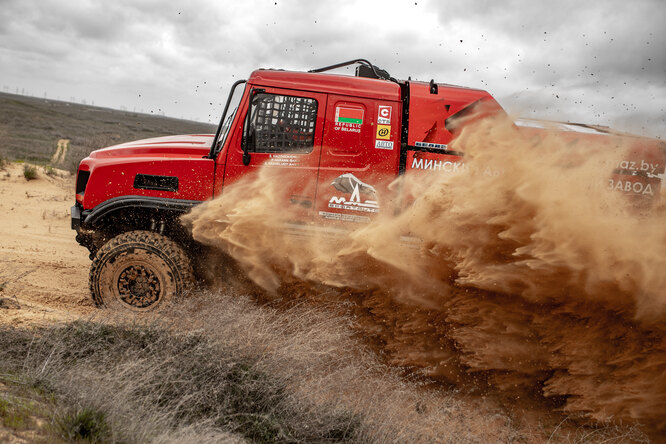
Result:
{"points": [[283, 124]]}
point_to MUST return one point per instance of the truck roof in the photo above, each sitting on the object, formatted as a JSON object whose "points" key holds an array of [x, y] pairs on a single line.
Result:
{"points": [[329, 83], [347, 85]]}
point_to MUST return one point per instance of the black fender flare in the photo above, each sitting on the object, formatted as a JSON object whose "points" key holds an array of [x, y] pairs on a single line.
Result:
{"points": [[94, 218]]}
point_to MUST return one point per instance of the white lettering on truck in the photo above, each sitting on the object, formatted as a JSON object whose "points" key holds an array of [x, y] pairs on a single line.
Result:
{"points": [[437, 165], [632, 165], [627, 186]]}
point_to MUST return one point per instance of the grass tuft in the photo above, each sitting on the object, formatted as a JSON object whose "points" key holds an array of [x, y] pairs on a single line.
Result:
{"points": [[86, 424], [16, 413], [50, 171], [29, 172]]}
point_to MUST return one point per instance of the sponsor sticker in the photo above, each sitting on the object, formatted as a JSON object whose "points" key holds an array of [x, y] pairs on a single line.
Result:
{"points": [[439, 146], [283, 160], [631, 187], [350, 185], [645, 167], [343, 217], [384, 115], [348, 119], [383, 132], [348, 115], [384, 144]]}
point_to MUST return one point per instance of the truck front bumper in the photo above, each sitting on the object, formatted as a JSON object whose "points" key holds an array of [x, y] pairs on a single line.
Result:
{"points": [[76, 218]]}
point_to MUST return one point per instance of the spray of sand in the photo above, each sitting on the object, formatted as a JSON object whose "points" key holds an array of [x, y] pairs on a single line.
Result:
{"points": [[528, 273]]}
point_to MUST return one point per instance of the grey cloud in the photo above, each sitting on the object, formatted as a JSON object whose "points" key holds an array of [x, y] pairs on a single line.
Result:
{"points": [[578, 60], [179, 56]]}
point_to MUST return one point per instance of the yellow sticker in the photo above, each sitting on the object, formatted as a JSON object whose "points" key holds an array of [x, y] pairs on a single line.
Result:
{"points": [[384, 132]]}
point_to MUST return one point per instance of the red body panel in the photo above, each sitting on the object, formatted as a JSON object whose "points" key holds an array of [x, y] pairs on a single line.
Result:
{"points": [[369, 150], [113, 170], [300, 167], [359, 144], [367, 153], [428, 112]]}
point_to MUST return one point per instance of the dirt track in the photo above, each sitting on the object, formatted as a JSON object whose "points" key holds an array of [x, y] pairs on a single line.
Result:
{"points": [[43, 271]]}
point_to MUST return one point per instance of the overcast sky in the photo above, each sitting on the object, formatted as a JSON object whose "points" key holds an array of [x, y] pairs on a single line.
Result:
{"points": [[599, 62]]}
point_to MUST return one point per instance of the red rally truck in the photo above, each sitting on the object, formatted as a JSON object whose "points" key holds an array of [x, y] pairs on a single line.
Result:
{"points": [[345, 137]]}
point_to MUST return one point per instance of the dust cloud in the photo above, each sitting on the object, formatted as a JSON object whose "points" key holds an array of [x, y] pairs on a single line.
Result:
{"points": [[521, 273]]}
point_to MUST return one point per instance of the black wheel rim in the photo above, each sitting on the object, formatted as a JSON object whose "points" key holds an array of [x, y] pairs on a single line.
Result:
{"points": [[139, 286]]}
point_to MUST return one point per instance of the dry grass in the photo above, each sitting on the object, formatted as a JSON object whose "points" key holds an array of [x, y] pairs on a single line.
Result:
{"points": [[317, 354], [223, 369], [31, 127]]}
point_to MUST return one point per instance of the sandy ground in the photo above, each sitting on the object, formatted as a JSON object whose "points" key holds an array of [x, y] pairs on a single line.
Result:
{"points": [[43, 271]]}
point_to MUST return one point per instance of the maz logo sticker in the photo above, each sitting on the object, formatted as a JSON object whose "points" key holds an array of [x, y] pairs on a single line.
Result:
{"points": [[349, 184]]}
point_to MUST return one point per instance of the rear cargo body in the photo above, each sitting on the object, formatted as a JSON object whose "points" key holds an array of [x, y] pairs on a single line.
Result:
{"points": [[639, 171]]}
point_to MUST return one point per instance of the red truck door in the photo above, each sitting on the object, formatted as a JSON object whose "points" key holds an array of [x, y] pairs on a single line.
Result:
{"points": [[283, 131], [360, 156]]}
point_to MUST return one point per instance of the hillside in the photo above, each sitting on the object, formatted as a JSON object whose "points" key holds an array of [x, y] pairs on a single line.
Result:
{"points": [[30, 128]]}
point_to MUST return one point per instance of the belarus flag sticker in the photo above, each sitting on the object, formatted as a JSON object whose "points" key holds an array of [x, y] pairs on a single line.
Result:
{"points": [[348, 115]]}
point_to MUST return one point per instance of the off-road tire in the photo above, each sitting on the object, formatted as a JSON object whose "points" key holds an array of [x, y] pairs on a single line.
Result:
{"points": [[139, 271]]}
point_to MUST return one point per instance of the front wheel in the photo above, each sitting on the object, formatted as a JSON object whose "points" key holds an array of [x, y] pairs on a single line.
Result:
{"points": [[140, 271]]}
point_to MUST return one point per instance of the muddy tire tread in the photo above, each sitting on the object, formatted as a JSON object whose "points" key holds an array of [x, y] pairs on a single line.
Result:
{"points": [[172, 254]]}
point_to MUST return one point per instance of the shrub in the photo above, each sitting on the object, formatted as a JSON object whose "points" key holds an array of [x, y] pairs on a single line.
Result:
{"points": [[85, 424], [50, 171], [11, 415], [29, 172]]}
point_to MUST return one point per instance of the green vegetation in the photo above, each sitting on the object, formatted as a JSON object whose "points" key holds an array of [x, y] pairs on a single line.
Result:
{"points": [[30, 128], [29, 172], [14, 415], [50, 171], [22, 408], [86, 424]]}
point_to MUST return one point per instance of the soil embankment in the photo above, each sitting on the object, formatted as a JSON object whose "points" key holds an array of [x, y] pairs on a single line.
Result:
{"points": [[43, 271]]}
